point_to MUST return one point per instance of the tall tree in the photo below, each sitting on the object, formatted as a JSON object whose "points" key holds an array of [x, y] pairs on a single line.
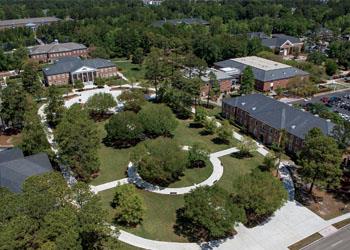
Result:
{"points": [[19, 58], [320, 159], [210, 213], [247, 81], [54, 109], [155, 165], [157, 119], [99, 104], [30, 78], [260, 194], [133, 100], [156, 68], [124, 129], [78, 139], [13, 105], [33, 135], [129, 205]]}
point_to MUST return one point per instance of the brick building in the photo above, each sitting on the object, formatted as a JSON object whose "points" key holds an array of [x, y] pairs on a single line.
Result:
{"points": [[226, 79], [280, 43], [70, 69], [28, 22], [265, 118], [269, 75], [50, 52]]}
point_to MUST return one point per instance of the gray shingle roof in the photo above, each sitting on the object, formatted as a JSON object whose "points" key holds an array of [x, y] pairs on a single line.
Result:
{"points": [[55, 48], [279, 115], [188, 21], [70, 64], [10, 154], [261, 74], [14, 172], [275, 41], [24, 21]]}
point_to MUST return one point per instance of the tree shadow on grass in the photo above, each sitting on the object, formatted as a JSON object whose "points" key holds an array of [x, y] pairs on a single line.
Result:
{"points": [[195, 125], [220, 141], [242, 155]]}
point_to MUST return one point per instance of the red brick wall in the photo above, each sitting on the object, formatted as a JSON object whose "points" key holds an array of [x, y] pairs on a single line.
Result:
{"points": [[258, 129], [107, 72], [225, 86], [60, 79], [53, 56], [283, 83]]}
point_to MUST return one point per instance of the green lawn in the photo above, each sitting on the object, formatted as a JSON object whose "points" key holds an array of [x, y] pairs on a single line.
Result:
{"points": [[193, 176], [114, 162], [187, 136], [233, 168], [134, 72], [160, 215]]}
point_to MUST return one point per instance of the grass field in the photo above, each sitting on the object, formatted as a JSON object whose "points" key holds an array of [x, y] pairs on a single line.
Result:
{"points": [[233, 168], [114, 162], [134, 72], [193, 176], [160, 215], [185, 135]]}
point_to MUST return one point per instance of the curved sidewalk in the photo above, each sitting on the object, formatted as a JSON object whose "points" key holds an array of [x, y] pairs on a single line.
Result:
{"points": [[218, 171]]}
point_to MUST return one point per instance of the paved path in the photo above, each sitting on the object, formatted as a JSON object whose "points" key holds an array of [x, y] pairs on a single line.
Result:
{"points": [[218, 170]]}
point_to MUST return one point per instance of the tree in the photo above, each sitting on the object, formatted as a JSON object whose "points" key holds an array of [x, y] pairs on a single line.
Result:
{"points": [[78, 84], [19, 58], [210, 213], [30, 78], [100, 82], [13, 105], [247, 81], [260, 194], [224, 132], [124, 129], [54, 109], [161, 161], [157, 119], [320, 159], [331, 67], [269, 162], [341, 133], [210, 125], [133, 100], [44, 217], [213, 86], [156, 70], [316, 57], [129, 205], [33, 135], [246, 146], [137, 57], [200, 116], [99, 104], [198, 156], [78, 140]]}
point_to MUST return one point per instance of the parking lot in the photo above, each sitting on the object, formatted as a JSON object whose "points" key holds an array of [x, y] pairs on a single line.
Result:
{"points": [[337, 102]]}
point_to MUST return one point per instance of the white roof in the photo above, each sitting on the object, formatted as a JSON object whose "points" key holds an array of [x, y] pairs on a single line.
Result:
{"points": [[260, 63]]}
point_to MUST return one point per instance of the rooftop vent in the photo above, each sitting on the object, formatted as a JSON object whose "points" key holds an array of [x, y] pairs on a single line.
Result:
{"points": [[317, 115], [253, 108], [289, 104], [328, 120], [294, 126], [243, 103], [302, 110]]}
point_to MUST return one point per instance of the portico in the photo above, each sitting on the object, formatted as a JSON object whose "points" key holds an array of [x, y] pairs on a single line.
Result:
{"points": [[85, 74]]}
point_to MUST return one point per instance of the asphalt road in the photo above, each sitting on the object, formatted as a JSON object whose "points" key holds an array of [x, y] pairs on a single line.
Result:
{"points": [[338, 241]]}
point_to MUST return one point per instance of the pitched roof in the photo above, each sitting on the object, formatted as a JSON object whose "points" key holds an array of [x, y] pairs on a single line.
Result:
{"points": [[55, 48], [188, 21], [71, 64], [14, 172], [10, 154], [264, 70], [24, 21], [273, 41], [279, 115]]}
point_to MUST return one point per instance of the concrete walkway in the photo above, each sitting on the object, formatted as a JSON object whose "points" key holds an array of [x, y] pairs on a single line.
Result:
{"points": [[218, 170]]}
